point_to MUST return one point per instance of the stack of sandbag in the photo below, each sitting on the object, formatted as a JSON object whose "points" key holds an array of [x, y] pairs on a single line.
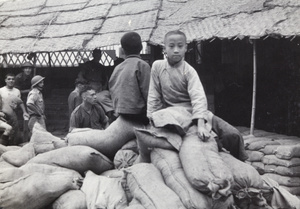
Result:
{"points": [[203, 165], [276, 156], [41, 141]]}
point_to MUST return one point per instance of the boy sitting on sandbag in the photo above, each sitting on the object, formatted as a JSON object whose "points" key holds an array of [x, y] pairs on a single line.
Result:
{"points": [[174, 83]]}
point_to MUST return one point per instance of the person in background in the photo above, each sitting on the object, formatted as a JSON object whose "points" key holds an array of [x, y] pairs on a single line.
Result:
{"points": [[74, 98], [89, 114], [35, 103], [11, 96], [129, 81], [96, 75], [175, 83], [4, 126], [23, 80]]}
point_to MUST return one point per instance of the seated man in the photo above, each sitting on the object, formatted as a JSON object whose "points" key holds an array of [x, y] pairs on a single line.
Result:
{"points": [[89, 114]]}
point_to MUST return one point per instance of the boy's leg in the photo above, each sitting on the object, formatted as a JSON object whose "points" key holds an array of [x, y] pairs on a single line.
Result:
{"points": [[229, 138]]}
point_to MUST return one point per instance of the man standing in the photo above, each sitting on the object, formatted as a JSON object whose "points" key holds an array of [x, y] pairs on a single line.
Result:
{"points": [[11, 96], [94, 72], [23, 80], [90, 113], [35, 102], [74, 98]]}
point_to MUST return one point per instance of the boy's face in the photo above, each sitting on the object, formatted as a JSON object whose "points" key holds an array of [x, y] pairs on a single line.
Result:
{"points": [[175, 47], [10, 81]]}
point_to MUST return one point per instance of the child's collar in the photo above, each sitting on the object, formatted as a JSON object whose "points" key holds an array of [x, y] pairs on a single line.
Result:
{"points": [[133, 55]]}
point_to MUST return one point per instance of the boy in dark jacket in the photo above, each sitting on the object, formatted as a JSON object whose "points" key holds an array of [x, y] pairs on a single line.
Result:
{"points": [[129, 82]]}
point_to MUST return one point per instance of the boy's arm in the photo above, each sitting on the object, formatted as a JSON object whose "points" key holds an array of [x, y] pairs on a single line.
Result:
{"points": [[197, 96], [155, 101]]}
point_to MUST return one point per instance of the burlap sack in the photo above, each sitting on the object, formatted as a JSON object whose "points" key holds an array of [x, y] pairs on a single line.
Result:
{"points": [[284, 180], [124, 158], [20, 156], [78, 158], [146, 184], [288, 151], [72, 199], [4, 149], [254, 156], [107, 141], [36, 190], [131, 145], [169, 165], [203, 165], [103, 192], [12, 174], [273, 160]]}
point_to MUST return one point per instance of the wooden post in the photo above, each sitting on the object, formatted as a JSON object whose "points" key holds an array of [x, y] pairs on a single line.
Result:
{"points": [[254, 90]]}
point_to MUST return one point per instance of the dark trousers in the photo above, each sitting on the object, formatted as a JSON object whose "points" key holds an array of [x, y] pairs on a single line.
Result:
{"points": [[229, 138]]}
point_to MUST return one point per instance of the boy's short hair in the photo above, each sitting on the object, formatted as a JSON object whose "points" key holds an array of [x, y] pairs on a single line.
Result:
{"points": [[9, 74], [175, 32], [131, 42]]}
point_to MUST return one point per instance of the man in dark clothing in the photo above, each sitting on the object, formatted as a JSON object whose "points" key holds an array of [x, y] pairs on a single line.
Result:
{"points": [[94, 72], [23, 80], [90, 113]]}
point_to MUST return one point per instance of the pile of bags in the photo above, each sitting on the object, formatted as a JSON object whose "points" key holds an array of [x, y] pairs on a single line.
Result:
{"points": [[150, 169], [275, 156]]}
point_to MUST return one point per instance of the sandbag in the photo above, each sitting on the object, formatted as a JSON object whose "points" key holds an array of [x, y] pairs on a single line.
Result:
{"points": [[269, 149], [124, 158], [246, 181], [258, 145], [131, 145], [107, 141], [20, 156], [103, 192], [147, 140], [169, 165], [36, 190], [12, 174], [146, 184], [72, 199], [259, 166], [254, 156], [284, 180], [281, 198], [79, 158], [292, 190], [4, 164], [4, 149], [203, 165], [273, 160], [114, 173], [288, 151]]}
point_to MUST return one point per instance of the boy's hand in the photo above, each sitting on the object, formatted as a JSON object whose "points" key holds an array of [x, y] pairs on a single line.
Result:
{"points": [[203, 133]]}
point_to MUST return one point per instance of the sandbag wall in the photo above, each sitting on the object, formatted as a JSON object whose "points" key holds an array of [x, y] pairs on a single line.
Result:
{"points": [[276, 156]]}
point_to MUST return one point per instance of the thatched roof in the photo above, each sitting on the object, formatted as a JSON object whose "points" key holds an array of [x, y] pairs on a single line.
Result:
{"points": [[57, 25]]}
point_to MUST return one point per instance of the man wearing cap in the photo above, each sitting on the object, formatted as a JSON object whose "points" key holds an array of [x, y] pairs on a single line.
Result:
{"points": [[35, 102], [23, 80], [11, 97]]}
